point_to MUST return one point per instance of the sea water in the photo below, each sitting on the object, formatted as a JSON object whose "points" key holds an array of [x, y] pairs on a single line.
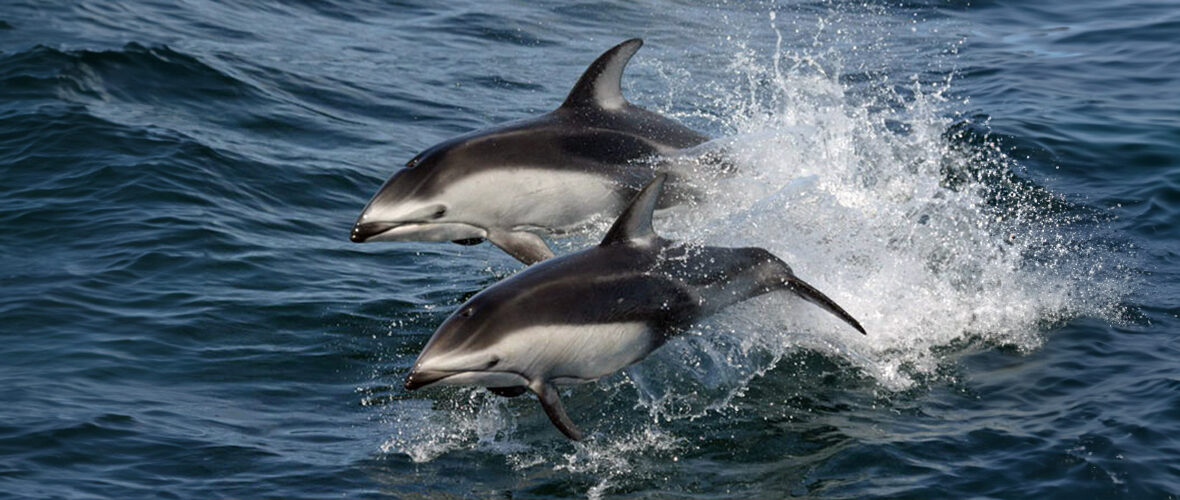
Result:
{"points": [[991, 188]]}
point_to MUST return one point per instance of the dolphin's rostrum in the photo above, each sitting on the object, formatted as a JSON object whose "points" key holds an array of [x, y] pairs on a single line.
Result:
{"points": [[545, 175], [585, 315]]}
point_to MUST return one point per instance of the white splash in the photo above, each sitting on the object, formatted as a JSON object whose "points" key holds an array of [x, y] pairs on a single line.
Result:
{"points": [[856, 197], [424, 432]]}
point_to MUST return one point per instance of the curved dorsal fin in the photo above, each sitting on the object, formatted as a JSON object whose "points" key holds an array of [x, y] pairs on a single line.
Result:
{"points": [[634, 225], [600, 85]]}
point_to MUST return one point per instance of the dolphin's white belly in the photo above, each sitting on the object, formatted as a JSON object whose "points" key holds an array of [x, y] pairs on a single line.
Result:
{"points": [[571, 353], [526, 198]]}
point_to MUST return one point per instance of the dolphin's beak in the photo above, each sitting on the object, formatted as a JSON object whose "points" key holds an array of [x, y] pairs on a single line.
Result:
{"points": [[421, 378], [362, 231], [414, 231]]}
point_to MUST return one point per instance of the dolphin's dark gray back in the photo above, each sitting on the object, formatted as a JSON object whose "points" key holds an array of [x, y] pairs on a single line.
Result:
{"points": [[596, 286], [595, 130]]}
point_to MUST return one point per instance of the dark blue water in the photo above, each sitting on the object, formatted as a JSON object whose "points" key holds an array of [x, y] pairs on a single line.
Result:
{"points": [[992, 188]]}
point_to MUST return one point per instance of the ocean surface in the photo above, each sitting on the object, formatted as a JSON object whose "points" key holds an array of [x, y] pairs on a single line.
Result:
{"points": [[991, 187]]}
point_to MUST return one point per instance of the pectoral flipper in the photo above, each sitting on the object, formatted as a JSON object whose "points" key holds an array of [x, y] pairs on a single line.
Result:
{"points": [[551, 402]]}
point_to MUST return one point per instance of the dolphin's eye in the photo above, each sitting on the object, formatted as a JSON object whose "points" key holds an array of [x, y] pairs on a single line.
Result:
{"points": [[438, 214], [466, 313], [493, 362]]}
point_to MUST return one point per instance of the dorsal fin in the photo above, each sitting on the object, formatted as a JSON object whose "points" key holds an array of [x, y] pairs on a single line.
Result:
{"points": [[634, 225], [601, 85]]}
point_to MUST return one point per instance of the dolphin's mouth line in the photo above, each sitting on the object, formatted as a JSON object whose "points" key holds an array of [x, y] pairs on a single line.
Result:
{"points": [[364, 231], [419, 379], [381, 231]]}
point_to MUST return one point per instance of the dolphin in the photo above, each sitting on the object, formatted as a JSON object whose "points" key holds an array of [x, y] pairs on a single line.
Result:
{"points": [[550, 174], [588, 314]]}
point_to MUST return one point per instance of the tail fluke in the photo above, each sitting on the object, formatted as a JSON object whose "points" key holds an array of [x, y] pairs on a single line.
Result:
{"points": [[810, 294]]}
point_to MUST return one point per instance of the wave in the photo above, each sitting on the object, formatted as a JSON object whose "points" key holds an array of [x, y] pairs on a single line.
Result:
{"points": [[134, 73]]}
